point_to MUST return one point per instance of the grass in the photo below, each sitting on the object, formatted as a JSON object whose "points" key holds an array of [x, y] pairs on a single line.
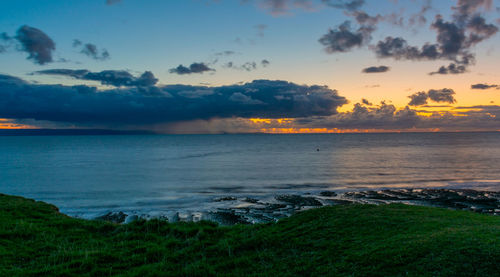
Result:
{"points": [[352, 240]]}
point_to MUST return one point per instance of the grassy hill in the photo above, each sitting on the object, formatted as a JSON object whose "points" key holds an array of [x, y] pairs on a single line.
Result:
{"points": [[351, 240]]}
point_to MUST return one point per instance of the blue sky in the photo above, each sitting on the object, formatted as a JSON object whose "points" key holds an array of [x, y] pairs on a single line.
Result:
{"points": [[158, 35]]}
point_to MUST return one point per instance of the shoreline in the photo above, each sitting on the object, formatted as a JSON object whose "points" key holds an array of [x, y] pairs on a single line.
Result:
{"points": [[343, 240], [244, 210]]}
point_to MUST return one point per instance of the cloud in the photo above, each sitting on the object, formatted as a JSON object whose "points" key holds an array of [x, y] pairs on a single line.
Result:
{"points": [[388, 117], [91, 50], [418, 99], [193, 68], [452, 68], [248, 66], [483, 86], [343, 38], [376, 69], [225, 53], [350, 5], [444, 95], [36, 43], [139, 106], [382, 117], [117, 78], [282, 7], [454, 40], [366, 102]]}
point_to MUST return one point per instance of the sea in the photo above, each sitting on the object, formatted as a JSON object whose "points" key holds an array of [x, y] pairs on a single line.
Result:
{"points": [[87, 176]]}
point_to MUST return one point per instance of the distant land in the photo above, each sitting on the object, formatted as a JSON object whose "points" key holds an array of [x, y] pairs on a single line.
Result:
{"points": [[69, 132]]}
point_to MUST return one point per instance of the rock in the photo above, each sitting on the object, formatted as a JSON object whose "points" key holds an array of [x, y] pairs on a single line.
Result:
{"points": [[328, 193], [251, 200], [131, 218], [228, 218], [298, 201], [227, 198], [113, 217]]}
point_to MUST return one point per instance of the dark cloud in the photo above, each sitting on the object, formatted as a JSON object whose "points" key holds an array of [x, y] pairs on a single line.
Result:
{"points": [[444, 95], [366, 102], [454, 40], [418, 99], [193, 68], [399, 49], [91, 50], [483, 86], [387, 117], [36, 43], [376, 69], [117, 78], [343, 38], [452, 68], [149, 105], [382, 117]]}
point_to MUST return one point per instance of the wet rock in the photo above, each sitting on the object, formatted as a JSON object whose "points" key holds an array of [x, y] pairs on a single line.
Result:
{"points": [[227, 198], [113, 217], [131, 218], [251, 200], [328, 193], [228, 218], [298, 201]]}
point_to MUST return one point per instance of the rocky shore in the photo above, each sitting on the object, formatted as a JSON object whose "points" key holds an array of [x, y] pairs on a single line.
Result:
{"points": [[250, 210]]}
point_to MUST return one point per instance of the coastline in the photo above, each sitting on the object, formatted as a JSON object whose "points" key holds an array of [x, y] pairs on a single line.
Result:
{"points": [[343, 240], [244, 210]]}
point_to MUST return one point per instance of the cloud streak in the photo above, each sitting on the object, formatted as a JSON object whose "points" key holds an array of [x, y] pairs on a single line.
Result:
{"points": [[117, 78], [192, 69], [376, 69], [91, 50]]}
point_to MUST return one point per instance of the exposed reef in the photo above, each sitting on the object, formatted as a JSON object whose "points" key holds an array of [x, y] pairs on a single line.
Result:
{"points": [[251, 210]]}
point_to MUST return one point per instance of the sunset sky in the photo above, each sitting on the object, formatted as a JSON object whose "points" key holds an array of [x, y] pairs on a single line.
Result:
{"points": [[212, 66]]}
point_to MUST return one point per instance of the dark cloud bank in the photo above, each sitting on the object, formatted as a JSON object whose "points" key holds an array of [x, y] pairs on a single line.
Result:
{"points": [[137, 104], [150, 104], [117, 78]]}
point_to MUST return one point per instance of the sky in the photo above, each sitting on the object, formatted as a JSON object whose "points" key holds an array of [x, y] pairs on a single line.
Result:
{"points": [[231, 66]]}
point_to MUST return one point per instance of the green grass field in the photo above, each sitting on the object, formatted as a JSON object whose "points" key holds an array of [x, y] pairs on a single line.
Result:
{"points": [[351, 240]]}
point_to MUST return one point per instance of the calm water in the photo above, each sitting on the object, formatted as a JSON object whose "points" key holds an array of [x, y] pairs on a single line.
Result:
{"points": [[89, 175]]}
